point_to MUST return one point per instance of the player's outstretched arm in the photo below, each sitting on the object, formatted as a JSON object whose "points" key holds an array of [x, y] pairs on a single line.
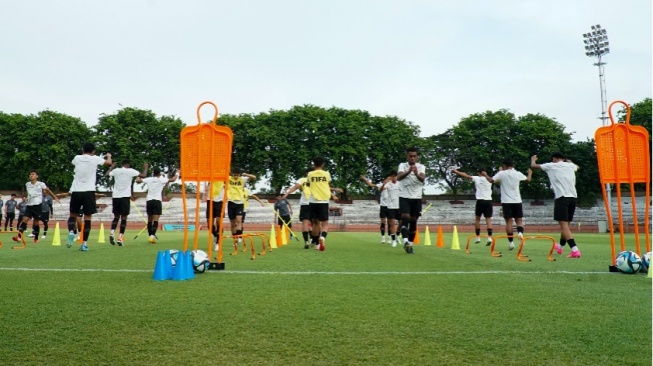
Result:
{"points": [[367, 182], [534, 163], [462, 174]]}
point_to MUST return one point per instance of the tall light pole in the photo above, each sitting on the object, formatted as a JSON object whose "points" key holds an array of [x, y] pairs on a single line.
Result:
{"points": [[596, 45]]}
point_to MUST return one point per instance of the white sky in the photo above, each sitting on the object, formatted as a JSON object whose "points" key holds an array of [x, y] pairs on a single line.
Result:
{"points": [[429, 62]]}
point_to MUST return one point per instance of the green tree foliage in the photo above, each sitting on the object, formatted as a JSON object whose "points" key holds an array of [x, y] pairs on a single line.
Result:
{"points": [[588, 184], [640, 114], [139, 136], [440, 155], [47, 142], [282, 144]]}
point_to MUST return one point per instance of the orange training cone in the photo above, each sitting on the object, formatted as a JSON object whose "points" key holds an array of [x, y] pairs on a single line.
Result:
{"points": [[416, 240], [440, 243]]}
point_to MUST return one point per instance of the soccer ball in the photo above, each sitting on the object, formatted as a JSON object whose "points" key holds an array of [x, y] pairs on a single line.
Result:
{"points": [[646, 261], [200, 261], [173, 256], [628, 262]]}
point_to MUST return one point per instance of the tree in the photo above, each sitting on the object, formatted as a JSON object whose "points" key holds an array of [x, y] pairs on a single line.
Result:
{"points": [[139, 136], [588, 184], [46, 142], [439, 156], [640, 114]]}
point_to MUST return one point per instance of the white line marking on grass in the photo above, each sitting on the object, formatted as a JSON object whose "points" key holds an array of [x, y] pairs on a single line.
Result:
{"points": [[310, 272]]}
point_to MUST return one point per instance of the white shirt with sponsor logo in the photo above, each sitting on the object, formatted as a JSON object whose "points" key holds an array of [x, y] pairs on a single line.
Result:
{"points": [[483, 188], [410, 186], [35, 193], [509, 182], [122, 181], [563, 178], [155, 187], [85, 172]]}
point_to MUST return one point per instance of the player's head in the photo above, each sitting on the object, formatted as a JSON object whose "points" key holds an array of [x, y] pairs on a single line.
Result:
{"points": [[318, 162], [33, 175], [481, 170], [507, 163], [126, 163], [392, 175], [157, 171], [13, 195], [236, 171], [278, 196], [411, 155], [557, 156], [88, 148], [23, 197]]}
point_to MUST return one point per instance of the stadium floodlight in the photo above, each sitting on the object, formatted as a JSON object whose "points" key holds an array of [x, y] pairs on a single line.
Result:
{"points": [[596, 45]]}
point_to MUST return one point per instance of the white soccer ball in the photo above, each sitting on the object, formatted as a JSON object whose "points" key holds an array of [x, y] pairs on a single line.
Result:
{"points": [[628, 262], [173, 256], [200, 261], [646, 262]]}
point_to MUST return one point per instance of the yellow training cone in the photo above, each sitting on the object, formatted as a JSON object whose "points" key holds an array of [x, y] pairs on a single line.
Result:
{"points": [[650, 271], [101, 235], [284, 235], [455, 244], [56, 240], [273, 238], [427, 237]]}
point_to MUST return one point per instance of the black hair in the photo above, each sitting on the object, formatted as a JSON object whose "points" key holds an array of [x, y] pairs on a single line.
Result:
{"points": [[507, 162], [318, 161], [126, 162], [481, 169], [88, 147], [411, 149], [558, 155], [34, 171], [157, 171], [391, 173]]}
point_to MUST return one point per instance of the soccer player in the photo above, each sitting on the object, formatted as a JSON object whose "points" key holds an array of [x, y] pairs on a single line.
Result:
{"points": [[235, 206], [511, 203], [153, 205], [83, 191], [121, 197], [562, 174], [22, 206], [35, 190], [320, 180], [283, 211], [214, 195], [1, 204], [391, 186], [383, 207], [411, 176], [10, 212], [46, 211], [483, 202], [304, 207]]}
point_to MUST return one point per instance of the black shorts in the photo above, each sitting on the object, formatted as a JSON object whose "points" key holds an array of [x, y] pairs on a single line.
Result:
{"points": [[121, 206], [235, 209], [319, 211], [512, 210], [83, 202], [304, 212], [411, 206], [217, 209], [285, 219], [483, 208], [45, 216], [564, 209], [242, 219], [383, 212], [11, 215], [33, 212], [153, 207], [393, 214]]}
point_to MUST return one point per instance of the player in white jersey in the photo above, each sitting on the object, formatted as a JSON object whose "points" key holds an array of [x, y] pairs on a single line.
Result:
{"points": [[390, 186], [511, 203], [562, 174], [123, 178], [411, 176], [35, 191], [483, 207], [82, 196], [153, 205]]}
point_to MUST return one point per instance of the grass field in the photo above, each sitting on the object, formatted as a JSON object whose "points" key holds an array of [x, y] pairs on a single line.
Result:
{"points": [[357, 303]]}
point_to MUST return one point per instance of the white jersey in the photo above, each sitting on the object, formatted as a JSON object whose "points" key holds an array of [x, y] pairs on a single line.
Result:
{"points": [[563, 178], [122, 177], [509, 182], [483, 188], [305, 191], [35, 193], [383, 201], [85, 172], [155, 187], [410, 186], [392, 189]]}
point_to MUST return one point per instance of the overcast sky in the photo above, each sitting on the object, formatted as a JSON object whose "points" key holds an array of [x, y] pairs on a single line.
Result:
{"points": [[428, 62]]}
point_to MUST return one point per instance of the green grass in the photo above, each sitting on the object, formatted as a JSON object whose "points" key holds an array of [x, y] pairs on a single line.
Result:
{"points": [[359, 302]]}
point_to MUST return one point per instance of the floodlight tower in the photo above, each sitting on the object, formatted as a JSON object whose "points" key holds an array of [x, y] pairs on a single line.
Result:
{"points": [[596, 45]]}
